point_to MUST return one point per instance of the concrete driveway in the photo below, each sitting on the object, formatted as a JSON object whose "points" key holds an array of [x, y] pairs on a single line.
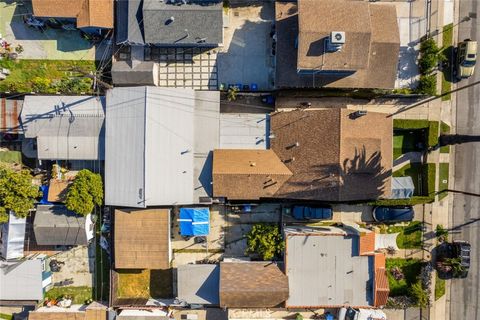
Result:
{"points": [[50, 44], [246, 55]]}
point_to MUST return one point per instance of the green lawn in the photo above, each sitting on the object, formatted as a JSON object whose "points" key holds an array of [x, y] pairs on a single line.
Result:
{"points": [[11, 156], [443, 180], [444, 129], [439, 287], [47, 76], [6, 316], [79, 294], [144, 283], [448, 52], [430, 126], [410, 236], [407, 141], [411, 270]]}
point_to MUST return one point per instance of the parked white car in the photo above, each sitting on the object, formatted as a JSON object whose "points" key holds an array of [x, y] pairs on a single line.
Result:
{"points": [[361, 314]]}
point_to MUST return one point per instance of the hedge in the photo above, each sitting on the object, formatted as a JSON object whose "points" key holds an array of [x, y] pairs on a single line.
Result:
{"points": [[432, 127]]}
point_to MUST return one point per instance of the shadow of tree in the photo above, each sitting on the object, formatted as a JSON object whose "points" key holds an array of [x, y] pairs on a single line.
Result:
{"points": [[361, 177]]}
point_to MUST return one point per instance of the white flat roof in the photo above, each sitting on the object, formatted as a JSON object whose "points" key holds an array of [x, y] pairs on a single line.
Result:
{"points": [[244, 130], [325, 270]]}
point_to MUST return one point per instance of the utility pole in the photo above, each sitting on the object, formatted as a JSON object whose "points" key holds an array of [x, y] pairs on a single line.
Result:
{"points": [[433, 98]]}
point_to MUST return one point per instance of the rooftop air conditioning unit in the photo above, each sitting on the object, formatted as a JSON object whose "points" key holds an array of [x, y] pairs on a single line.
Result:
{"points": [[337, 38]]}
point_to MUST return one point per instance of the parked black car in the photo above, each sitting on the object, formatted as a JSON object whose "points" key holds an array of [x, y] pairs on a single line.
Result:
{"points": [[454, 259], [393, 214], [312, 213]]}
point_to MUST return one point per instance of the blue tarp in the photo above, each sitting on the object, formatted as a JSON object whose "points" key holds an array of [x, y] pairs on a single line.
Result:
{"points": [[194, 221], [44, 199]]}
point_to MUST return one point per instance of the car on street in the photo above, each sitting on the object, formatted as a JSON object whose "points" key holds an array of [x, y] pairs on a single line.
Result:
{"points": [[458, 251], [466, 58], [393, 214], [312, 212]]}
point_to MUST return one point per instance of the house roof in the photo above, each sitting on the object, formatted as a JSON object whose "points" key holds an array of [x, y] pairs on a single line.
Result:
{"points": [[367, 243], [353, 162], [66, 127], [56, 225], [147, 126], [252, 285], [129, 22], [198, 283], [21, 280], [244, 130], [89, 13], [247, 174], [9, 115], [94, 311], [351, 17], [344, 274], [370, 53], [202, 19], [142, 239], [145, 73], [57, 189], [380, 283]]}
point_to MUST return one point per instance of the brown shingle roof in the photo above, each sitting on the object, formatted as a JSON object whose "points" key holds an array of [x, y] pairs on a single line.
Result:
{"points": [[349, 17], [37, 315], [89, 13], [337, 158], [372, 44], [252, 285], [247, 174], [142, 239]]}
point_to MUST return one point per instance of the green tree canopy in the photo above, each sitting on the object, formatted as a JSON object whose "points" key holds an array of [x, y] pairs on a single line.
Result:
{"points": [[85, 192], [266, 240], [17, 193]]}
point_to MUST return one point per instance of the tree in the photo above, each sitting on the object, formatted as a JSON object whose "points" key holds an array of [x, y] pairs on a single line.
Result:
{"points": [[420, 295], [441, 233], [17, 193], [85, 192], [266, 240], [232, 93], [427, 85]]}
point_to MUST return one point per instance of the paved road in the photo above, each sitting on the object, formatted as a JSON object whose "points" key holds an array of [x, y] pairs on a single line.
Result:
{"points": [[465, 293]]}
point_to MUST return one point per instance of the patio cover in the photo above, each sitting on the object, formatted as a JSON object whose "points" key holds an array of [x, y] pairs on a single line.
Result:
{"points": [[194, 221], [402, 187], [13, 237]]}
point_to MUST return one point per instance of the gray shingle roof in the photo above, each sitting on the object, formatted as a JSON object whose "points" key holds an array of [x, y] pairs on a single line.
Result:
{"points": [[129, 22], [193, 23], [55, 225], [145, 73]]}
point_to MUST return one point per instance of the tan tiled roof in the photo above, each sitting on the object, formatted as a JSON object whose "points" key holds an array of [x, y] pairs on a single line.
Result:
{"points": [[372, 51], [381, 287], [367, 243], [252, 285], [337, 158], [247, 174], [142, 239], [89, 13]]}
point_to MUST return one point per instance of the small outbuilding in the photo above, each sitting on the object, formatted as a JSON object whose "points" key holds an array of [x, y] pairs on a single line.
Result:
{"points": [[55, 225]]}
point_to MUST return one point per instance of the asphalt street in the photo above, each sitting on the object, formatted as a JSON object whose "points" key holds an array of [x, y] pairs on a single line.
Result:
{"points": [[465, 293]]}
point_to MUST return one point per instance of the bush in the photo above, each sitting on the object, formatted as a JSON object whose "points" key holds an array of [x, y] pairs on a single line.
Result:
{"points": [[427, 63], [419, 294], [40, 84], [85, 192], [265, 240], [441, 233], [427, 85]]}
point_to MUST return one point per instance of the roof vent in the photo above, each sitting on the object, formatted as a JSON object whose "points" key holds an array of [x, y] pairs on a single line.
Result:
{"points": [[357, 114], [335, 41], [253, 164]]}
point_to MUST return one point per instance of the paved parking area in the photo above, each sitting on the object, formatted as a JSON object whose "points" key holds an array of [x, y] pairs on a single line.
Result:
{"points": [[246, 56], [79, 266], [50, 44], [186, 67]]}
